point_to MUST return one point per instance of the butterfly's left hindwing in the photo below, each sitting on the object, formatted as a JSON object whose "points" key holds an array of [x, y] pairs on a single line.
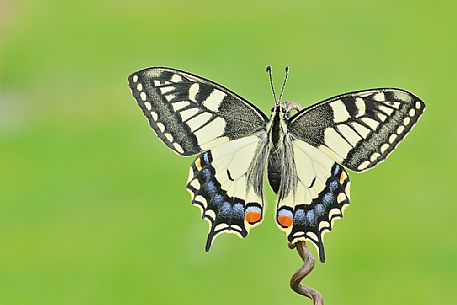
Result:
{"points": [[191, 114], [226, 185]]}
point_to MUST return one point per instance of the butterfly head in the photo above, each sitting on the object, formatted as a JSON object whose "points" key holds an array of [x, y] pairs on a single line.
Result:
{"points": [[280, 110]]}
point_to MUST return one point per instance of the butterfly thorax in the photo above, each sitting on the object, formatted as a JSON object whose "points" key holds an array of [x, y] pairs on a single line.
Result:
{"points": [[277, 127], [277, 130]]}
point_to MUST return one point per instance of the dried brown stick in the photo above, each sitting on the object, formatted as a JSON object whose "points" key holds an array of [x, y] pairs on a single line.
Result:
{"points": [[302, 272]]}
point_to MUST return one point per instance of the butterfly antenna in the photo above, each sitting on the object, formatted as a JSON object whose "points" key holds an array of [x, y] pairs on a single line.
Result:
{"points": [[284, 84], [271, 83]]}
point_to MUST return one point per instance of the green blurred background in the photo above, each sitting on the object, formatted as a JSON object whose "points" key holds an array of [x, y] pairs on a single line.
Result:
{"points": [[93, 207]]}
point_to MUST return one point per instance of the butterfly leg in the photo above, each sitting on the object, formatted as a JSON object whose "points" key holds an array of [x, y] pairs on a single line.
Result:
{"points": [[308, 266]]}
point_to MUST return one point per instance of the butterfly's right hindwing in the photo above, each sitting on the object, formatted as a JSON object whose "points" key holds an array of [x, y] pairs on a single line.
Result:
{"points": [[191, 114]]}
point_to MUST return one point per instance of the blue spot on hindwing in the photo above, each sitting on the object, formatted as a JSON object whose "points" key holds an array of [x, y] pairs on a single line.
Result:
{"points": [[205, 157], [336, 170], [320, 210], [225, 209], [285, 212], [333, 186], [206, 174], [328, 199], [253, 208], [238, 210], [311, 217], [218, 199], [211, 188], [299, 217]]}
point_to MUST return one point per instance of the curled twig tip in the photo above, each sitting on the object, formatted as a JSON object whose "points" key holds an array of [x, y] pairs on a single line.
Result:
{"points": [[302, 272]]}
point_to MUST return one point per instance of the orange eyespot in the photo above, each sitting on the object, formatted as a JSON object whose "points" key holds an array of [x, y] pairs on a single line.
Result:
{"points": [[285, 220], [253, 216]]}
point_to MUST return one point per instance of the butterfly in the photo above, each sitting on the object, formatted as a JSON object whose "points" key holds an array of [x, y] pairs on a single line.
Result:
{"points": [[304, 154]]}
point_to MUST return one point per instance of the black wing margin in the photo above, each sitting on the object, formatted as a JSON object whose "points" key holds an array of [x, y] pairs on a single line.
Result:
{"points": [[359, 129], [191, 114]]}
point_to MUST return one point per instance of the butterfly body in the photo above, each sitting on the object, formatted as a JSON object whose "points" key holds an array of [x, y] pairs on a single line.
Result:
{"points": [[303, 154], [277, 131]]}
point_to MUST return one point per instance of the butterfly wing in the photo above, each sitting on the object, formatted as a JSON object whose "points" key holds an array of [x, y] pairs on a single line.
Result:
{"points": [[226, 184], [314, 192], [191, 114], [359, 129]]}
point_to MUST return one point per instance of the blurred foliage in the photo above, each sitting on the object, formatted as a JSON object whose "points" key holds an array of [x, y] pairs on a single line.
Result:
{"points": [[93, 208]]}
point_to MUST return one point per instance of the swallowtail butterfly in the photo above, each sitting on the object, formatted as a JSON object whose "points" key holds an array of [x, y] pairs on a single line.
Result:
{"points": [[305, 154]]}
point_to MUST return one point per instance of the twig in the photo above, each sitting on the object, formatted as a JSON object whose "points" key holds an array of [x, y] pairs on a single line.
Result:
{"points": [[302, 272]]}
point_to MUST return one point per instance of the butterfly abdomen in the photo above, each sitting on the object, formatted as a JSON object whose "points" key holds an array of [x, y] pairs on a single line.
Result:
{"points": [[274, 171]]}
